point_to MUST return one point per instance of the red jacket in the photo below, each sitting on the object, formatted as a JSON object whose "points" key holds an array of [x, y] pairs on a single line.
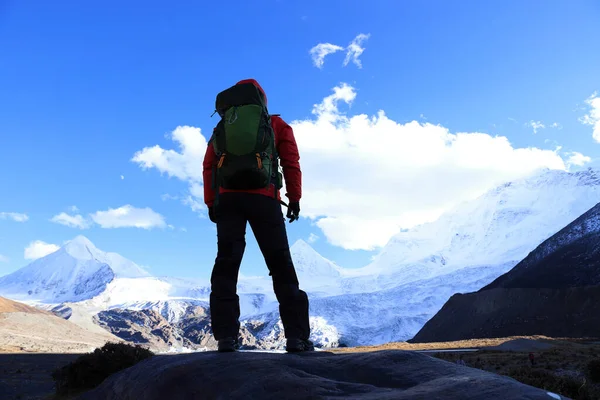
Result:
{"points": [[289, 159]]}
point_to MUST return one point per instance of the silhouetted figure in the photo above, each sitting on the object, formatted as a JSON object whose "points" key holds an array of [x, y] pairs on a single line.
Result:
{"points": [[532, 359], [241, 185]]}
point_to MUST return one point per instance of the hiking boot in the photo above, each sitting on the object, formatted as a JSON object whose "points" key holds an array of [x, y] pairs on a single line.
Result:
{"points": [[227, 345], [298, 345]]}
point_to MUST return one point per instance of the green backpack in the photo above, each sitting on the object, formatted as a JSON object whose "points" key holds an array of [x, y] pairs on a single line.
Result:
{"points": [[244, 141]]}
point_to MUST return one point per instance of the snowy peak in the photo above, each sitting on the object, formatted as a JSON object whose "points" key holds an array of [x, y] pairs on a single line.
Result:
{"points": [[503, 225], [75, 272], [312, 267], [81, 248]]}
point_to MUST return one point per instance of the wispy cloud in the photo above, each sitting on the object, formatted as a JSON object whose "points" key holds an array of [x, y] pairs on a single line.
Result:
{"points": [[38, 249], [312, 238], [593, 116], [167, 196], [322, 50], [73, 221], [3, 259], [535, 125], [129, 217], [353, 51], [17, 217]]}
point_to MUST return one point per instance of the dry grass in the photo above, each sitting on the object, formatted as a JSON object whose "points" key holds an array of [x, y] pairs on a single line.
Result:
{"points": [[563, 369], [567, 367], [462, 344]]}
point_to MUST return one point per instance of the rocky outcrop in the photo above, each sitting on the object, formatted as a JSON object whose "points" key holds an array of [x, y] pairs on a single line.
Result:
{"points": [[253, 375], [554, 291], [191, 331]]}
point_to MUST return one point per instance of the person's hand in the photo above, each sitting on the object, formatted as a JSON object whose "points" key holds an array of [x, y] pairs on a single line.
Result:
{"points": [[211, 214], [293, 211]]}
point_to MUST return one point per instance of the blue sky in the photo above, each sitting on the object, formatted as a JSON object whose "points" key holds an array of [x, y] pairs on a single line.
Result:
{"points": [[84, 87]]}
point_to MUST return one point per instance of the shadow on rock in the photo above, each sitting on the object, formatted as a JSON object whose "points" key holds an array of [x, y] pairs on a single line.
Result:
{"points": [[257, 375]]}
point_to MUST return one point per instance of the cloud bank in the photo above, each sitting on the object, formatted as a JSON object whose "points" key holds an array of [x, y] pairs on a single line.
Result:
{"points": [[366, 177]]}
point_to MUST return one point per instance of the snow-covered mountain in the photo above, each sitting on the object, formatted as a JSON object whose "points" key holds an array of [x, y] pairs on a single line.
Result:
{"points": [[388, 300], [77, 271], [502, 226]]}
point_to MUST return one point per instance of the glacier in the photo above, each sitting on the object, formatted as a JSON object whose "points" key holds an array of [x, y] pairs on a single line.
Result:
{"points": [[389, 299]]}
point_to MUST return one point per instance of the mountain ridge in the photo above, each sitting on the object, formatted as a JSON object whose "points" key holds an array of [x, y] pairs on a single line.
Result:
{"points": [[461, 252], [554, 291]]}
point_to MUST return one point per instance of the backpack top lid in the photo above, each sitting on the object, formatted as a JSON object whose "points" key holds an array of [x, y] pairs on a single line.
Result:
{"points": [[257, 85], [244, 92]]}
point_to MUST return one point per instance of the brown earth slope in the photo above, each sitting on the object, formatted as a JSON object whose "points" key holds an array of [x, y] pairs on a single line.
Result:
{"points": [[27, 329]]}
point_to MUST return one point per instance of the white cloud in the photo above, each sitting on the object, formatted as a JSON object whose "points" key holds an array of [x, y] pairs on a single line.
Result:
{"points": [[4, 259], [312, 238], [122, 177], [129, 217], [38, 249], [322, 50], [73, 221], [74, 209], [535, 125], [578, 159], [556, 125], [353, 51], [185, 165], [365, 177], [17, 217], [593, 117]]}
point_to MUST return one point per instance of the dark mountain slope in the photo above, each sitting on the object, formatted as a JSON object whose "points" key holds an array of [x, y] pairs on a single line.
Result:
{"points": [[554, 291]]}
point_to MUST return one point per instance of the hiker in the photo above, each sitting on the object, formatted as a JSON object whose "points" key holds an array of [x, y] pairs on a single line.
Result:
{"points": [[241, 184]]}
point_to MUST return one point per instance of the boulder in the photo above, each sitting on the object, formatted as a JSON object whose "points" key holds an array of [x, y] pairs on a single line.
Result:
{"points": [[390, 374]]}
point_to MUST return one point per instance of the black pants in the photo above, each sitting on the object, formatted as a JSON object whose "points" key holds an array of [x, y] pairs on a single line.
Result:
{"points": [[268, 225]]}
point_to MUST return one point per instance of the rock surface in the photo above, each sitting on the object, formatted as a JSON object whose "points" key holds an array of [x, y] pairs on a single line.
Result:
{"points": [[255, 375]]}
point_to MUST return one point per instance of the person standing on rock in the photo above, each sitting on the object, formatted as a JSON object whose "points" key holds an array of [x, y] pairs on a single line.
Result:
{"points": [[241, 185]]}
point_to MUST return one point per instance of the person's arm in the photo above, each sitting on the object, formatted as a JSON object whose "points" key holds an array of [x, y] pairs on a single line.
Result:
{"points": [[207, 171], [289, 160]]}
